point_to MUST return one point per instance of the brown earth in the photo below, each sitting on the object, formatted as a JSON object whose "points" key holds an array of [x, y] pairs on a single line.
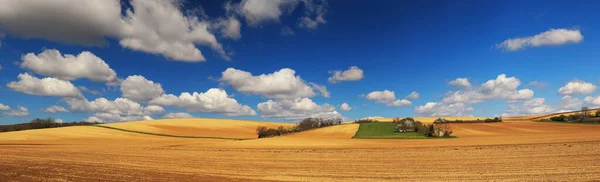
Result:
{"points": [[509, 151]]}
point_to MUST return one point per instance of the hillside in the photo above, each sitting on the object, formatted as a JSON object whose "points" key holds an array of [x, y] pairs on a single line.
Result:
{"points": [[198, 127]]}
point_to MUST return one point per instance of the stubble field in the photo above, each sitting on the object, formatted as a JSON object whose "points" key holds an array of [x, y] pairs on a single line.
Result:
{"points": [[508, 151]]}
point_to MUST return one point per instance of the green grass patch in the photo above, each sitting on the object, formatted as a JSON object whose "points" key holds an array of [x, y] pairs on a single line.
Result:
{"points": [[564, 122], [167, 135], [384, 130]]}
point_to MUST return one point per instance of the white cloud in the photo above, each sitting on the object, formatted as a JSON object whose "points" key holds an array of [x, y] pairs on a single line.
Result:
{"points": [[387, 97], [413, 95], [178, 115], [461, 82], [547, 38], [46, 86], [345, 107], [144, 29], [120, 109], [296, 109], [501, 88], [140, 89], [443, 109], [399, 103], [1, 67], [316, 10], [212, 101], [577, 87], [570, 103], [384, 96], [85, 89], [533, 106], [285, 31], [59, 121], [322, 89], [229, 27], [152, 26], [72, 21], [258, 12], [55, 109], [592, 100], [372, 117], [20, 111], [94, 119], [353, 73], [282, 84], [4, 107], [538, 84], [69, 67]]}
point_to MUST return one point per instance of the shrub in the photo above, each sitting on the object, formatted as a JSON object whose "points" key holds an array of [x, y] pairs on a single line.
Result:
{"points": [[597, 113], [305, 124], [559, 118]]}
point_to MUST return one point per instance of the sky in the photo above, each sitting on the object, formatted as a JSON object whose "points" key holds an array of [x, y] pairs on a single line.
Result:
{"points": [[284, 60]]}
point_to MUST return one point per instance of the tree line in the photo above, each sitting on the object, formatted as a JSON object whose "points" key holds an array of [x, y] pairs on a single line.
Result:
{"points": [[40, 123]]}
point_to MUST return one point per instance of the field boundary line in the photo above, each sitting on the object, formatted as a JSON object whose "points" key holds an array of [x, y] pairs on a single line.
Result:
{"points": [[168, 135]]}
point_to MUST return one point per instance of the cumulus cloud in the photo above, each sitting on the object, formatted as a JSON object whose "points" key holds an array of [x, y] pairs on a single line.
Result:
{"points": [[461, 82], [345, 107], [577, 87], [458, 103], [538, 84], [93, 119], [551, 37], [353, 73], [570, 103], [258, 12], [533, 106], [384, 96], [69, 67], [152, 26], [55, 109], [140, 89], [120, 109], [592, 100], [46, 87], [413, 95], [229, 27], [93, 92], [443, 109], [59, 121], [1, 68], [282, 84], [296, 109], [387, 97], [212, 101], [500, 88], [321, 89], [144, 30], [4, 107], [178, 115], [71, 21], [20, 111], [314, 14]]}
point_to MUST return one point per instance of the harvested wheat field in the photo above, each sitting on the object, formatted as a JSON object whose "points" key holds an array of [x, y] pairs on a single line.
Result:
{"points": [[508, 151]]}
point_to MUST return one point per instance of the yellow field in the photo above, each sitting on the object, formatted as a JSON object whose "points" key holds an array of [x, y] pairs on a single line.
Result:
{"points": [[508, 151]]}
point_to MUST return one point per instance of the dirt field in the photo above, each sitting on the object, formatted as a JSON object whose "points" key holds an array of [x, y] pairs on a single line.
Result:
{"points": [[509, 151]]}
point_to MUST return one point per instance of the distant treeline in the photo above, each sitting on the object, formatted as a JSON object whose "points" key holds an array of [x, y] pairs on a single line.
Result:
{"points": [[41, 123], [486, 120], [584, 116], [304, 125]]}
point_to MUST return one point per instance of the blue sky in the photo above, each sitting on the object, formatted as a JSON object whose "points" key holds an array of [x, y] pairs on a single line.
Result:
{"points": [[400, 46]]}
